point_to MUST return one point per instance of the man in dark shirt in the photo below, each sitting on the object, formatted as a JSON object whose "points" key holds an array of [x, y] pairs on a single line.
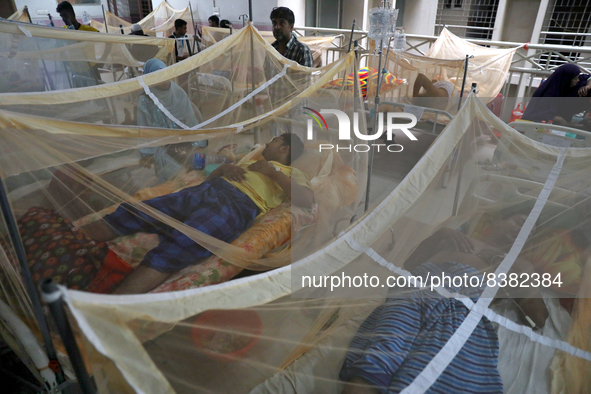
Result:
{"points": [[214, 21], [286, 42], [180, 30]]}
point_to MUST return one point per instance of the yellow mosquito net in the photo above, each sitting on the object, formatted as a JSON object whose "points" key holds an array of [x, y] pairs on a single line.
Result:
{"points": [[36, 58], [310, 298], [159, 23]]}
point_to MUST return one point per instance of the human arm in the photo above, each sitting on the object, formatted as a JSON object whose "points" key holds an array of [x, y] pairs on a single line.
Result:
{"points": [[583, 91], [301, 196], [444, 239], [230, 171]]}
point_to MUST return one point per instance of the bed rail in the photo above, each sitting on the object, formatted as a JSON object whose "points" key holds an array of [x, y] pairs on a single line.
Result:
{"points": [[436, 112], [553, 134]]}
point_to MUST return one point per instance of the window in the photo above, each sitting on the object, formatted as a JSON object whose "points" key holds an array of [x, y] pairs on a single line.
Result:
{"points": [[567, 22], [84, 2], [467, 18]]}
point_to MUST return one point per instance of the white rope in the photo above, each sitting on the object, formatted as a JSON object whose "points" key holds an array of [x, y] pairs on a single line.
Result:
{"points": [[245, 98], [159, 104], [223, 113], [489, 313], [443, 358]]}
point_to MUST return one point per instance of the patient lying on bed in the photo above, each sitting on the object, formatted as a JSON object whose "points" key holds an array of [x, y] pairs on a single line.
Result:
{"points": [[435, 94], [397, 341], [224, 206]]}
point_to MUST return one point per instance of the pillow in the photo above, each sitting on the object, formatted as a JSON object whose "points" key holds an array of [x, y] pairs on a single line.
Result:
{"points": [[56, 249]]}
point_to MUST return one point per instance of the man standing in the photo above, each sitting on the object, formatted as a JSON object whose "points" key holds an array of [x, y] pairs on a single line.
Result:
{"points": [[180, 30], [68, 15], [214, 21], [287, 44]]}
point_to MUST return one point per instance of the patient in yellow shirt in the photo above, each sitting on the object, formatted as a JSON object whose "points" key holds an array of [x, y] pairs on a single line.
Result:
{"points": [[224, 206]]}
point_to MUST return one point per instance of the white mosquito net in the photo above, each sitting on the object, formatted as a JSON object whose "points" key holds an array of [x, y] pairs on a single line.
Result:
{"points": [[36, 58], [159, 23], [273, 310], [487, 67]]}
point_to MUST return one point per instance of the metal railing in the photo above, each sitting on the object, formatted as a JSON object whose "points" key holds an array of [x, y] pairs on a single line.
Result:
{"points": [[531, 64]]}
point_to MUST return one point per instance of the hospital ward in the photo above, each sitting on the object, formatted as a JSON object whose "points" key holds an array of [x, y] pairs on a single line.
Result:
{"points": [[295, 197]]}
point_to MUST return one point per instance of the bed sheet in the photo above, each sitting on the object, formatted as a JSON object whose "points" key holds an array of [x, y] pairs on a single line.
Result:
{"points": [[524, 365]]}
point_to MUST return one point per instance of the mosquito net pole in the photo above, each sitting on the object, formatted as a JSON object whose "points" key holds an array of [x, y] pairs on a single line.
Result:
{"points": [[15, 238], [194, 26], [351, 38], [463, 81], [26, 9], [105, 19], [461, 169], [356, 96], [53, 297], [257, 130], [375, 127]]}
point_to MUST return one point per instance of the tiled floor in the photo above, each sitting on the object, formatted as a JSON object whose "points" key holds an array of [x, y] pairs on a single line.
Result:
{"points": [[390, 168]]}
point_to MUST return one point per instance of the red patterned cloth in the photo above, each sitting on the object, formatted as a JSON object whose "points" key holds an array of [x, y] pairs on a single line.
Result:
{"points": [[56, 249]]}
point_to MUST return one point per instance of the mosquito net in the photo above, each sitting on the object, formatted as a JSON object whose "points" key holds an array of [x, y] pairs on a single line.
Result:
{"points": [[36, 58], [408, 66], [318, 45], [487, 67], [319, 297], [21, 15], [159, 23]]}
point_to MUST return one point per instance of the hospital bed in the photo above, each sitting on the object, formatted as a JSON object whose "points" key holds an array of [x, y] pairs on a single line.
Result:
{"points": [[553, 134], [333, 182]]}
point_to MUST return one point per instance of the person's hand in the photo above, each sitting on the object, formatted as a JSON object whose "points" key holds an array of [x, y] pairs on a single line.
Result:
{"points": [[584, 90], [233, 173], [560, 121], [128, 118], [491, 256], [264, 167], [454, 240], [147, 161]]}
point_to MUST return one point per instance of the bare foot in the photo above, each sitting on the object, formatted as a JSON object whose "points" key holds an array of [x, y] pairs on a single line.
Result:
{"points": [[98, 231]]}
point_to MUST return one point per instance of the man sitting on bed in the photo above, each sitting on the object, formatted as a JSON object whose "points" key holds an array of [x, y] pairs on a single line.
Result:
{"points": [[224, 206]]}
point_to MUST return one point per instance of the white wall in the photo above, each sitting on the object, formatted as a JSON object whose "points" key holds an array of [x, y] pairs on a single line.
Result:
{"points": [[352, 9], [94, 11], [520, 19], [419, 16], [297, 6]]}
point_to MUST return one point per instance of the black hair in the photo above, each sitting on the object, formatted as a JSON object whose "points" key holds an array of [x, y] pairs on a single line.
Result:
{"points": [[283, 13], [179, 23], [64, 6], [296, 146], [215, 19], [225, 23]]}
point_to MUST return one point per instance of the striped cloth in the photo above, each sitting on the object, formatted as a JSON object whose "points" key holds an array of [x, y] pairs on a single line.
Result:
{"points": [[400, 337]]}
